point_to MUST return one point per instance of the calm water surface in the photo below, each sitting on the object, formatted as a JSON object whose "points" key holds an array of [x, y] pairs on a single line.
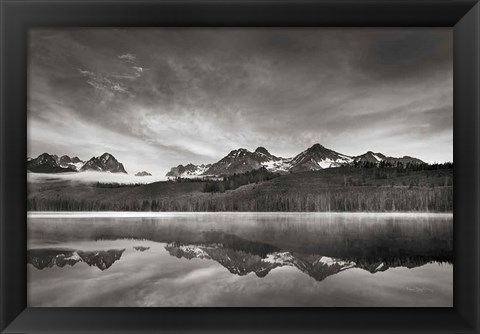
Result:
{"points": [[240, 259]]}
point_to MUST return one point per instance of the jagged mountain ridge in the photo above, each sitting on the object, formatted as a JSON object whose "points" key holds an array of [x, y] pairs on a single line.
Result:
{"points": [[314, 158], [104, 163], [47, 258], [52, 163], [370, 157], [319, 267], [46, 163], [65, 161], [241, 161], [377, 158], [237, 161], [318, 157]]}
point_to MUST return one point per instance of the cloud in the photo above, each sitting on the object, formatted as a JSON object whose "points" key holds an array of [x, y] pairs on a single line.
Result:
{"points": [[139, 69], [102, 82], [127, 57], [194, 94]]}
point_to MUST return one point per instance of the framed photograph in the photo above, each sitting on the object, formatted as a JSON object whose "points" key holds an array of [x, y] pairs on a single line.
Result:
{"points": [[240, 166]]}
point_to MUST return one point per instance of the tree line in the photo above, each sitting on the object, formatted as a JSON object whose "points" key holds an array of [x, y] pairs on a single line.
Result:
{"points": [[352, 199], [237, 180], [400, 166]]}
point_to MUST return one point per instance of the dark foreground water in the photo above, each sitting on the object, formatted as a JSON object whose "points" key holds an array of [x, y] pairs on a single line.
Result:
{"points": [[240, 259]]}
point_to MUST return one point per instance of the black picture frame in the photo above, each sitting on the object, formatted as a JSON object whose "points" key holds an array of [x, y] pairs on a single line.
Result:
{"points": [[17, 16]]}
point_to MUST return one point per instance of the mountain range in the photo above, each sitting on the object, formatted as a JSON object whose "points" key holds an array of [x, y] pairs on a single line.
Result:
{"points": [[51, 163], [238, 161], [48, 257], [46, 163], [318, 259], [236, 260], [314, 158], [319, 267]]}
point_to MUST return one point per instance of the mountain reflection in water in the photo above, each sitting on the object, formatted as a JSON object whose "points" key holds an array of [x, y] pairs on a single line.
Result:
{"points": [[242, 257], [47, 258], [318, 246]]}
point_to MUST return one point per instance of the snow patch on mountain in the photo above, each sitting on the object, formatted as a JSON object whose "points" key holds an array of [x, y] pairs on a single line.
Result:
{"points": [[188, 171], [281, 258], [195, 251], [281, 166], [328, 261]]}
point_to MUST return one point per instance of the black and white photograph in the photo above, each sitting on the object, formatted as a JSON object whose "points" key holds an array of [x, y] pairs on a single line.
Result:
{"points": [[240, 167]]}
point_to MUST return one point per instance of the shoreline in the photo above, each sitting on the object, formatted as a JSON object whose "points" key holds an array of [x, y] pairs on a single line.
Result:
{"points": [[143, 214]]}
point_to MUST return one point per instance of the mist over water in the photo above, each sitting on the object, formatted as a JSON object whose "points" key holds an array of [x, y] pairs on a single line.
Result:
{"points": [[240, 259]]}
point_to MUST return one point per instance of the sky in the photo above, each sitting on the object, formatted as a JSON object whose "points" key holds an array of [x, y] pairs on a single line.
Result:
{"points": [[159, 97]]}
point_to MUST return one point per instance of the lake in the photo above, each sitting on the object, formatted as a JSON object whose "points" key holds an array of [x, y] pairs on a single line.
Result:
{"points": [[240, 259]]}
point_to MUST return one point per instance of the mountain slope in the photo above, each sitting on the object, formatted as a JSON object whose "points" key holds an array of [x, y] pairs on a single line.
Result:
{"points": [[403, 160], [65, 161], [46, 163], [241, 161], [237, 161], [187, 170], [104, 163], [318, 157], [143, 173], [378, 158], [370, 157]]}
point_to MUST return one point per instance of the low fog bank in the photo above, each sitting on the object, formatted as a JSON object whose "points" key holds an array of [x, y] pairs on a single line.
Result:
{"points": [[93, 177]]}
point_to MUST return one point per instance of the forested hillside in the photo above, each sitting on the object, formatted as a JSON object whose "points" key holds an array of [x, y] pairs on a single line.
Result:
{"points": [[377, 189]]}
